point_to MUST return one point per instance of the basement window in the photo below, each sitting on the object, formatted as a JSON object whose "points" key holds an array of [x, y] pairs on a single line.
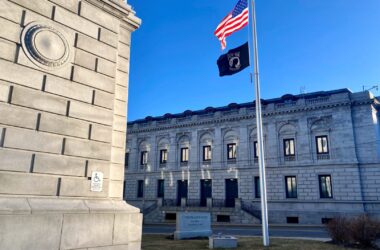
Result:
{"points": [[292, 220], [170, 216], [223, 218]]}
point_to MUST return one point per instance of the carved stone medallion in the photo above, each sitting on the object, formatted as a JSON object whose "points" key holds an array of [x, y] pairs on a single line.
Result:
{"points": [[45, 46]]}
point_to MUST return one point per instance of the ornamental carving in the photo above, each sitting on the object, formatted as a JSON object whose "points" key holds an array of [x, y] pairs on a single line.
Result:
{"points": [[45, 46]]}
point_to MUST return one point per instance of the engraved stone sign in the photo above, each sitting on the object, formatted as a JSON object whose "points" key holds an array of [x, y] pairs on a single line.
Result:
{"points": [[192, 224], [96, 181]]}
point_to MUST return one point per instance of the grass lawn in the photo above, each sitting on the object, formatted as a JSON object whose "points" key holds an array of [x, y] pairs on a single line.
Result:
{"points": [[157, 242]]}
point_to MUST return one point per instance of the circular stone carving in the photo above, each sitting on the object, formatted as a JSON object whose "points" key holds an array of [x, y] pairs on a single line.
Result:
{"points": [[45, 46]]}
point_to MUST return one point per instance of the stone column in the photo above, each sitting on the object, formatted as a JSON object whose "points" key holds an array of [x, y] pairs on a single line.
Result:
{"points": [[64, 70]]}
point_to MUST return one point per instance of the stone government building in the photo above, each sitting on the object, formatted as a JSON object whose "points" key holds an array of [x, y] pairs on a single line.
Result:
{"points": [[64, 75], [322, 153]]}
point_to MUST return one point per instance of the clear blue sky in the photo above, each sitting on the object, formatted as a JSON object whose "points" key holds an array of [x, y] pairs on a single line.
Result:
{"points": [[318, 44]]}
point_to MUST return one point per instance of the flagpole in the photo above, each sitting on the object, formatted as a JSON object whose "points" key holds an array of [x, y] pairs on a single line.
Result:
{"points": [[260, 141]]}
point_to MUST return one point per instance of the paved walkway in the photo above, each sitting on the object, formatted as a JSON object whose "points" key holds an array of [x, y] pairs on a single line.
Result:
{"points": [[298, 231]]}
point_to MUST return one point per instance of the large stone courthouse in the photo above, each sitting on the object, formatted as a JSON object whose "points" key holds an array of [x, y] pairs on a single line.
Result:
{"points": [[322, 153], [64, 69]]}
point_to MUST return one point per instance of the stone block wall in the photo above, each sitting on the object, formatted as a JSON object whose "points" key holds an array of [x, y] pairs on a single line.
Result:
{"points": [[64, 71]]}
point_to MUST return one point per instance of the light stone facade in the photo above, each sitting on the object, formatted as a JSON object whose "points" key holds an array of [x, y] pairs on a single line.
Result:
{"points": [[349, 120], [64, 70]]}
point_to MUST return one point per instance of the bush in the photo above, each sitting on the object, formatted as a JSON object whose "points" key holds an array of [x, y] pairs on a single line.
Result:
{"points": [[364, 230], [339, 230], [361, 230]]}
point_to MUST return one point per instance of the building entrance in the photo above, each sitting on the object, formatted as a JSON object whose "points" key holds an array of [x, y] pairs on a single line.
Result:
{"points": [[231, 192], [206, 191], [181, 191]]}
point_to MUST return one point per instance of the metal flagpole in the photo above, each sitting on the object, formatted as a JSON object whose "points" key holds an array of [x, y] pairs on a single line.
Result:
{"points": [[260, 141]]}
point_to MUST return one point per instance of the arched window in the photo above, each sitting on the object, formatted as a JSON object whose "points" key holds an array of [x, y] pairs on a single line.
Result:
{"points": [[184, 150], [230, 146], [144, 154], [320, 138], [205, 148], [287, 135], [163, 152]]}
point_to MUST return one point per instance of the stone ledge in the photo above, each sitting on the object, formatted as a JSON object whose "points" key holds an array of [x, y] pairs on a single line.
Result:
{"points": [[16, 205]]}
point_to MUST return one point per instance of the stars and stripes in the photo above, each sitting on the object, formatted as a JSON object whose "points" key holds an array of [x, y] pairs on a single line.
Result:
{"points": [[234, 21]]}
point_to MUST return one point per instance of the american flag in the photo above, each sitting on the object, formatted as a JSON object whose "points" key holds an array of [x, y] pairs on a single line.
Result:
{"points": [[234, 21]]}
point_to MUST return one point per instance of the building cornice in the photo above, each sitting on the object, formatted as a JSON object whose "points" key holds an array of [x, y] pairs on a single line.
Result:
{"points": [[223, 119], [119, 9]]}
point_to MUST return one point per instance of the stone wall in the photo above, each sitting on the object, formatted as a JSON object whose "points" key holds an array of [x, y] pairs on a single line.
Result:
{"points": [[64, 69]]}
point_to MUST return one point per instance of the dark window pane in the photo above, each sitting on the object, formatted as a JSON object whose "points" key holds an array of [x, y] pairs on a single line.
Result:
{"points": [[257, 187], [140, 189], [292, 220], [255, 150], [126, 160], [160, 188], [325, 186], [291, 186]]}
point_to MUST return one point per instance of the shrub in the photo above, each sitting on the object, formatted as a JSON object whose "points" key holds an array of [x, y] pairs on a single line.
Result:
{"points": [[364, 230], [361, 230], [339, 230]]}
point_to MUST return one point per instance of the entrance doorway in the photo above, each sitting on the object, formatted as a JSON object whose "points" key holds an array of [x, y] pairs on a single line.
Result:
{"points": [[231, 192], [181, 191], [206, 191]]}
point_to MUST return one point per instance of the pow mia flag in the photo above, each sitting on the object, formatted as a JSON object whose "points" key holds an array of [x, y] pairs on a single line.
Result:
{"points": [[234, 61]]}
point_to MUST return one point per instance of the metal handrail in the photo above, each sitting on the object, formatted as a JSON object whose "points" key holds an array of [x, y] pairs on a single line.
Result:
{"points": [[248, 207]]}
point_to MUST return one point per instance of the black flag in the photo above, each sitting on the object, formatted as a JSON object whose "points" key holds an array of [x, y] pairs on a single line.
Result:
{"points": [[234, 61]]}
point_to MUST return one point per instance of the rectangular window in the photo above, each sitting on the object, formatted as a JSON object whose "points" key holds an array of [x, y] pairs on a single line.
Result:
{"points": [[292, 220], [144, 158], [231, 151], [160, 188], [291, 186], [325, 186], [223, 218], [255, 150], [140, 188], [206, 153], [163, 156], [257, 187], [289, 149], [322, 144], [184, 154], [326, 220], [126, 160]]}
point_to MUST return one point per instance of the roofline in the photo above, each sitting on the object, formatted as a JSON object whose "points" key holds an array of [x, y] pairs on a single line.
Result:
{"points": [[241, 105]]}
